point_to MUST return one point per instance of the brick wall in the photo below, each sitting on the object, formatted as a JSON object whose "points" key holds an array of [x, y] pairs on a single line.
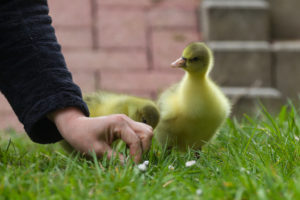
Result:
{"points": [[120, 45]]}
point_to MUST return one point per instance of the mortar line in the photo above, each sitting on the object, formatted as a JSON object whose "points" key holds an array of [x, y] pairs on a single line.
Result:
{"points": [[94, 13], [148, 42]]}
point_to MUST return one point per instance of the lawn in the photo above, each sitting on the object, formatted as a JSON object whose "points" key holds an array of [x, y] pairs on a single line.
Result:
{"points": [[251, 158]]}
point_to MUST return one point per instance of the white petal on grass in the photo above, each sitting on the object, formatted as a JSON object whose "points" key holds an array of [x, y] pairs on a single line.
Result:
{"points": [[190, 163], [146, 162], [171, 167], [199, 192], [296, 138], [244, 170], [142, 167]]}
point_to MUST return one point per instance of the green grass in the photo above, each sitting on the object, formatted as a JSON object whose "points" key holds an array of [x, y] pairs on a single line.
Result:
{"points": [[254, 158]]}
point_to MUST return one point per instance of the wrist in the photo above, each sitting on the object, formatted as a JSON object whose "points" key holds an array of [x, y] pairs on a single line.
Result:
{"points": [[65, 118]]}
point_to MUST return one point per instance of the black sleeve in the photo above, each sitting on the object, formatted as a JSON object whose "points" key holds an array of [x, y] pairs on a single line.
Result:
{"points": [[33, 73]]}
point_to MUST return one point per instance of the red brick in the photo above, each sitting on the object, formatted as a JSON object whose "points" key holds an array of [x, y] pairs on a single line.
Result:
{"points": [[144, 94], [10, 120], [167, 45], [86, 80], [154, 81], [164, 3], [4, 105], [137, 93], [121, 28], [183, 4], [124, 2], [107, 59], [74, 38], [172, 17], [70, 13]]}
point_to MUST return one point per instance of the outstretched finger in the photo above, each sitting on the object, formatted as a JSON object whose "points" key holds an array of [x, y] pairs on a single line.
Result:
{"points": [[144, 132], [146, 140]]}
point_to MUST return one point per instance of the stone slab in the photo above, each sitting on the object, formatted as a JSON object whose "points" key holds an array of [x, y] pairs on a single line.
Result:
{"points": [[285, 17], [242, 63], [287, 67], [252, 106], [248, 100], [235, 20]]}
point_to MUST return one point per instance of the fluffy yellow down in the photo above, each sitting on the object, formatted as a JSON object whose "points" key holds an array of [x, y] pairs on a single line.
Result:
{"points": [[193, 110]]}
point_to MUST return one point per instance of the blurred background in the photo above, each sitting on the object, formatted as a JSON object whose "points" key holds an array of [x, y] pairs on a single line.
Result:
{"points": [[127, 46]]}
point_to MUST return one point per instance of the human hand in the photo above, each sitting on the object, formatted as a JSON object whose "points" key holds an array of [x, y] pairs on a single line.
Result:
{"points": [[97, 134]]}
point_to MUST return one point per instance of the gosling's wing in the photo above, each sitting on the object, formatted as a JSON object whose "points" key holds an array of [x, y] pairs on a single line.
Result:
{"points": [[167, 103], [166, 94]]}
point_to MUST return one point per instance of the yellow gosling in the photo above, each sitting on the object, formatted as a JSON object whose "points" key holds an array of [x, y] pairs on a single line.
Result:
{"points": [[193, 110]]}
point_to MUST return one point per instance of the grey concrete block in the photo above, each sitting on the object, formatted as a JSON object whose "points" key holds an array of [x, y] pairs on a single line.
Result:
{"points": [[252, 106], [285, 17], [287, 67], [241, 63], [247, 100], [235, 20]]}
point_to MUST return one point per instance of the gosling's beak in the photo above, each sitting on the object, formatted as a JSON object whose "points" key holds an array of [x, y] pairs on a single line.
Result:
{"points": [[179, 63]]}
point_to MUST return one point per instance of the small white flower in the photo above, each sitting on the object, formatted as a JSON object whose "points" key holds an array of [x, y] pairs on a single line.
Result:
{"points": [[171, 167], [244, 170], [146, 162], [296, 138], [142, 167], [199, 192], [190, 163]]}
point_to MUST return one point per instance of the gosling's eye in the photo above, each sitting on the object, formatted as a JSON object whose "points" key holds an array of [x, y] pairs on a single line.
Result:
{"points": [[144, 120], [194, 59]]}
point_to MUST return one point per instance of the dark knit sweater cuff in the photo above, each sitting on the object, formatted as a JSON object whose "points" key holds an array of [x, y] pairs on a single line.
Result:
{"points": [[39, 128]]}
